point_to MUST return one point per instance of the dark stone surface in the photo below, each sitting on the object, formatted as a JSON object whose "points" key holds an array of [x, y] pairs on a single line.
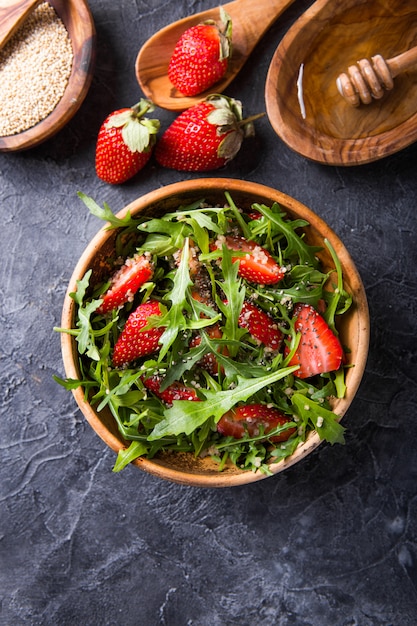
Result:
{"points": [[330, 542]]}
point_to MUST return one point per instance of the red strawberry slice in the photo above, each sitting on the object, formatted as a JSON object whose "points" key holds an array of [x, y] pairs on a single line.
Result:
{"points": [[209, 362], [248, 419], [125, 282], [319, 350], [201, 56], [133, 341], [257, 265], [260, 325], [175, 391]]}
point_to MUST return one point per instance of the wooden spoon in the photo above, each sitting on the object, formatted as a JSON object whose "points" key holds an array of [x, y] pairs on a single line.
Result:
{"points": [[366, 79], [303, 104], [250, 21], [12, 15]]}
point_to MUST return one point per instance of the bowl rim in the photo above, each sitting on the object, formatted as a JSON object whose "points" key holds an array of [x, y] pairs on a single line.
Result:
{"points": [[70, 354], [84, 49]]}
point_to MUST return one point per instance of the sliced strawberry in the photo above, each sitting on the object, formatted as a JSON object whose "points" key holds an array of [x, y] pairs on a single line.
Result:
{"points": [[257, 265], [260, 325], [175, 391], [209, 362], [133, 341], [248, 419], [125, 282], [319, 350], [255, 215]]}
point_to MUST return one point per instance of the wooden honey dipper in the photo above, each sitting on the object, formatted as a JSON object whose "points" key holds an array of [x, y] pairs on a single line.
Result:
{"points": [[368, 79]]}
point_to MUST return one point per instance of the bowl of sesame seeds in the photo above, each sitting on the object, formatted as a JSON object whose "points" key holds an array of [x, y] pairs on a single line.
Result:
{"points": [[46, 69], [164, 210]]}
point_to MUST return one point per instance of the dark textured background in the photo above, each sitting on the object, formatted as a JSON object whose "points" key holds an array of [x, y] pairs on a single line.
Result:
{"points": [[330, 542]]}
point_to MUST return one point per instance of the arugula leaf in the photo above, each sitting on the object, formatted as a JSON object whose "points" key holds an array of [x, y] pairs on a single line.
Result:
{"points": [[127, 455], [325, 422], [105, 213], [234, 292], [174, 319], [185, 416], [295, 243]]}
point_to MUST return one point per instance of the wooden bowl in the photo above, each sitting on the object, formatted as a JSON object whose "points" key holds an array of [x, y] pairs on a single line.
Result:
{"points": [[354, 329], [77, 18], [324, 41]]}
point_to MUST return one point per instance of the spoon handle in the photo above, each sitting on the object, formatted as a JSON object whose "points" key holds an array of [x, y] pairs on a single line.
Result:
{"points": [[368, 79], [12, 14], [251, 19]]}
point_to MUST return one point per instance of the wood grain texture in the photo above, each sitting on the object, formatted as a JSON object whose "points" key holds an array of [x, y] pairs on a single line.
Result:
{"points": [[250, 21], [77, 18], [12, 14], [324, 40]]}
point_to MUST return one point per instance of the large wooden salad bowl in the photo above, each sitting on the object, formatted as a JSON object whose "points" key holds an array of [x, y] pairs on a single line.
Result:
{"points": [[354, 328]]}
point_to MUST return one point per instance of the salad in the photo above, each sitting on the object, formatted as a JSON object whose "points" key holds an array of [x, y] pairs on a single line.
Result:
{"points": [[214, 334]]}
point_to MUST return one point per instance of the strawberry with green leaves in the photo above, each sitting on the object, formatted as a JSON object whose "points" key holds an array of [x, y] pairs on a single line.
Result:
{"points": [[135, 340], [319, 350], [249, 418], [201, 56], [125, 143], [204, 137]]}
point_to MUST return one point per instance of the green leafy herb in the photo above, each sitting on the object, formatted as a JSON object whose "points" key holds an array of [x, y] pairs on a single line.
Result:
{"points": [[201, 295]]}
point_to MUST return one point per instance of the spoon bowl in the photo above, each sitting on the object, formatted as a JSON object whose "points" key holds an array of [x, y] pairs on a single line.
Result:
{"points": [[302, 100], [250, 21]]}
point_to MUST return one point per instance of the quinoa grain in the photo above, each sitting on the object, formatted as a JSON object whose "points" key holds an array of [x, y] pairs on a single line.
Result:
{"points": [[35, 66]]}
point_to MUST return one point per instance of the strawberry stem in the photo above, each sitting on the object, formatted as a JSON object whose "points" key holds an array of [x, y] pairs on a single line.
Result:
{"points": [[142, 107], [250, 119]]}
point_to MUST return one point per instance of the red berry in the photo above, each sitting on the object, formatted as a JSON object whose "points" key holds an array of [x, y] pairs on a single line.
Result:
{"points": [[201, 55], [125, 282], [256, 265], [260, 325], [204, 137], [248, 419], [125, 143], [133, 341], [209, 362], [175, 391], [319, 350]]}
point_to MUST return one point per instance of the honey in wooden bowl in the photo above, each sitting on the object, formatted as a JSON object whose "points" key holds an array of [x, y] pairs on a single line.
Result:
{"points": [[303, 103]]}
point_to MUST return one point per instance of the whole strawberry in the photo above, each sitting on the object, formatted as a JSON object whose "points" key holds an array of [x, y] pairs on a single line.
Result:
{"points": [[201, 55], [125, 143], [204, 137]]}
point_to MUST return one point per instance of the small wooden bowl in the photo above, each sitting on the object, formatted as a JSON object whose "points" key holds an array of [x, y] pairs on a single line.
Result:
{"points": [[354, 328], [77, 18], [324, 41]]}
